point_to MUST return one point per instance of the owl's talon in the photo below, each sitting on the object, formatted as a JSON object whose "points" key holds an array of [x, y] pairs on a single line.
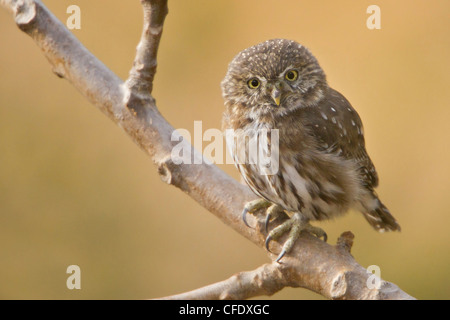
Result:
{"points": [[273, 211], [253, 206], [266, 243], [266, 223], [295, 225], [280, 256], [318, 232], [244, 215]]}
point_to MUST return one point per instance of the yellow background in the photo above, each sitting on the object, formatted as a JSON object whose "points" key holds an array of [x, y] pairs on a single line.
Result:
{"points": [[74, 189]]}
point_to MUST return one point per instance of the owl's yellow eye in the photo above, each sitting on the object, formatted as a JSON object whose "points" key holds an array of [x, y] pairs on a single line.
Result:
{"points": [[253, 83], [291, 75]]}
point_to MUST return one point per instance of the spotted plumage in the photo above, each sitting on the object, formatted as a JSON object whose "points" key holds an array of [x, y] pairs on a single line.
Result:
{"points": [[322, 167]]}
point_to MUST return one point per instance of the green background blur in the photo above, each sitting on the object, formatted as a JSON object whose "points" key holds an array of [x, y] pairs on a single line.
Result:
{"points": [[74, 189]]}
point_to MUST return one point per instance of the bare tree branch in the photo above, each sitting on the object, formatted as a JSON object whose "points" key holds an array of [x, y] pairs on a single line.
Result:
{"points": [[334, 274], [313, 264]]}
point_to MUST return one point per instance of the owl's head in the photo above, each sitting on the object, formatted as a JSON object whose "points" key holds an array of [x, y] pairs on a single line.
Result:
{"points": [[274, 77]]}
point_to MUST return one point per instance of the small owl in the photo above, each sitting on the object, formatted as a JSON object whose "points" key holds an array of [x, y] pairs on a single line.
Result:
{"points": [[278, 102]]}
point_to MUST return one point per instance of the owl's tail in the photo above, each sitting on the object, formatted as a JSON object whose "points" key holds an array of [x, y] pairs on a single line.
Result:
{"points": [[381, 219]]}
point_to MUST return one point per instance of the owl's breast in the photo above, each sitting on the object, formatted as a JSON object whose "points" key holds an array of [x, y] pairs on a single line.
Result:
{"points": [[298, 178]]}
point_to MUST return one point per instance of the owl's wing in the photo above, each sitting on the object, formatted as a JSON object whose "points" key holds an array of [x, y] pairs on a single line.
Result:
{"points": [[338, 129]]}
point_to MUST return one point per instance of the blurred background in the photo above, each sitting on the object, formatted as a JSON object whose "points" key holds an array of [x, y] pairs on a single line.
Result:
{"points": [[74, 189]]}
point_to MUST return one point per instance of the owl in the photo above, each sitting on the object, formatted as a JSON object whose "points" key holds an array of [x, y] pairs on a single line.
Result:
{"points": [[298, 144]]}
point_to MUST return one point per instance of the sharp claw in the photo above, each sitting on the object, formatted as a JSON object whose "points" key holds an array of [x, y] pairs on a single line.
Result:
{"points": [[281, 255], [268, 239], [244, 215], [266, 223]]}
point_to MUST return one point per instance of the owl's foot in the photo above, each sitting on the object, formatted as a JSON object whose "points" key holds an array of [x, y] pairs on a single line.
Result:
{"points": [[273, 210], [295, 225], [252, 207]]}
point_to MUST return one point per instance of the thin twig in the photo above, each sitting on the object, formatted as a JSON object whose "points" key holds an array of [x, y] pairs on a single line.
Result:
{"points": [[140, 81], [144, 67], [266, 280]]}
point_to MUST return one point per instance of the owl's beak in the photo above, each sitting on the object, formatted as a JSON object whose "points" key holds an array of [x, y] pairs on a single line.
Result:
{"points": [[276, 95]]}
